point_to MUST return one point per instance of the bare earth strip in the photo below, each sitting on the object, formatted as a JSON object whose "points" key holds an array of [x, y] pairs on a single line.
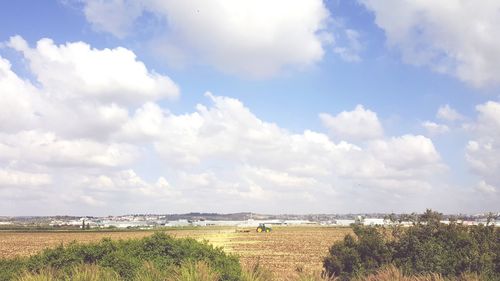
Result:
{"points": [[282, 251]]}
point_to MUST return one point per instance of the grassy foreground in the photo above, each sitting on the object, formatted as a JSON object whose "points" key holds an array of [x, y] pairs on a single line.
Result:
{"points": [[163, 258], [281, 251], [123, 259], [201, 271], [428, 250]]}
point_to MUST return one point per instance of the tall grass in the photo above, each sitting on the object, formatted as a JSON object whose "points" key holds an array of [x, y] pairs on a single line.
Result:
{"points": [[189, 271], [256, 273], [393, 273], [83, 272], [149, 272], [201, 271]]}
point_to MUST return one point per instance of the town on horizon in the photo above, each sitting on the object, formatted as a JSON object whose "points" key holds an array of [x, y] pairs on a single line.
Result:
{"points": [[244, 219]]}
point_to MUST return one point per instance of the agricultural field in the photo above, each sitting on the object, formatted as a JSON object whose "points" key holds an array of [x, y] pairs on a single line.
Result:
{"points": [[282, 251]]}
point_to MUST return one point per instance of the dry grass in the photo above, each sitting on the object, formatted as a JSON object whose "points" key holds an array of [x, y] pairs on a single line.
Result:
{"points": [[28, 243], [391, 273], [79, 273], [282, 251], [200, 271], [287, 248]]}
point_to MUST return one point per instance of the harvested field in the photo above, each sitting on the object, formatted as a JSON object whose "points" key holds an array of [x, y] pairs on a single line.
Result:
{"points": [[282, 251]]}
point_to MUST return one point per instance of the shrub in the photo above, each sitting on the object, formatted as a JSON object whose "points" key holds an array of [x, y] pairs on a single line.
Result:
{"points": [[10, 268], [427, 247], [366, 254], [127, 257]]}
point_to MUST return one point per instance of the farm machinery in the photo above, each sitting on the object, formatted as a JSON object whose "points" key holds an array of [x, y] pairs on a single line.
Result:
{"points": [[263, 228]]}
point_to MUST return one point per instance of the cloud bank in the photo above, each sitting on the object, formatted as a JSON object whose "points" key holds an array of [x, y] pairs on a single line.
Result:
{"points": [[83, 143]]}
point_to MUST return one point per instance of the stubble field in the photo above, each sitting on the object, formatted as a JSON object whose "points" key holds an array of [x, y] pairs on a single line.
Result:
{"points": [[282, 251]]}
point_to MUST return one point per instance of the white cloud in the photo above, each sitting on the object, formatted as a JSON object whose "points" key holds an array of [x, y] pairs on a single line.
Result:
{"points": [[249, 38], [406, 152], [435, 128], [221, 153], [13, 178], [48, 149], [72, 124], [77, 71], [27, 107], [19, 100], [241, 155], [128, 181], [358, 124], [483, 187], [98, 151], [116, 16], [447, 113], [488, 120], [147, 123], [456, 37], [351, 52], [483, 150]]}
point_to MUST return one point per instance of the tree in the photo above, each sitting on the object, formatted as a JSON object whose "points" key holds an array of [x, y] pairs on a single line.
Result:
{"points": [[426, 247]]}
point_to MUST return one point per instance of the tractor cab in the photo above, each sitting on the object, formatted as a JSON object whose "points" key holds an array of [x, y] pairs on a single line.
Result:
{"points": [[263, 228]]}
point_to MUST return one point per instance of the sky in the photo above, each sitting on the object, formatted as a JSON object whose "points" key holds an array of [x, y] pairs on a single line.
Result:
{"points": [[114, 107]]}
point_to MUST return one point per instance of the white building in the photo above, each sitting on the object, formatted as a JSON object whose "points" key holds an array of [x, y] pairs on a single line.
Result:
{"points": [[373, 221]]}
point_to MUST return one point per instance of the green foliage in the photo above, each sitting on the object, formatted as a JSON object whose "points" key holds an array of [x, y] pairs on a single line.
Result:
{"points": [[424, 248], [367, 253], [82, 272], [126, 257], [199, 271], [256, 273], [10, 268]]}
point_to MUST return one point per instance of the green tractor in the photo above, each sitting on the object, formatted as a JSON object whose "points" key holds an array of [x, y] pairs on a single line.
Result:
{"points": [[263, 228]]}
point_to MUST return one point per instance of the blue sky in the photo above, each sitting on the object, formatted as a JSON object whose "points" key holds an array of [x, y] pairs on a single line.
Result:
{"points": [[268, 106]]}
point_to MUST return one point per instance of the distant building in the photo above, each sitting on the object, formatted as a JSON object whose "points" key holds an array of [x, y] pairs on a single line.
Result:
{"points": [[343, 222], [373, 221]]}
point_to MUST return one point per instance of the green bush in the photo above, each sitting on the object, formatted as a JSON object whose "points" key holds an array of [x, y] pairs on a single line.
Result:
{"points": [[424, 248], [11, 268], [126, 257]]}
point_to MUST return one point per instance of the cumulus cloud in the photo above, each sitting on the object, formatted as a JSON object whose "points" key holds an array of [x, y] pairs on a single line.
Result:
{"points": [[77, 71], [456, 37], [249, 38], [70, 123], [48, 149], [406, 152], [482, 152], [358, 124], [483, 187], [19, 98], [243, 156], [91, 150], [447, 113], [13, 178], [130, 182], [435, 128], [146, 124]]}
